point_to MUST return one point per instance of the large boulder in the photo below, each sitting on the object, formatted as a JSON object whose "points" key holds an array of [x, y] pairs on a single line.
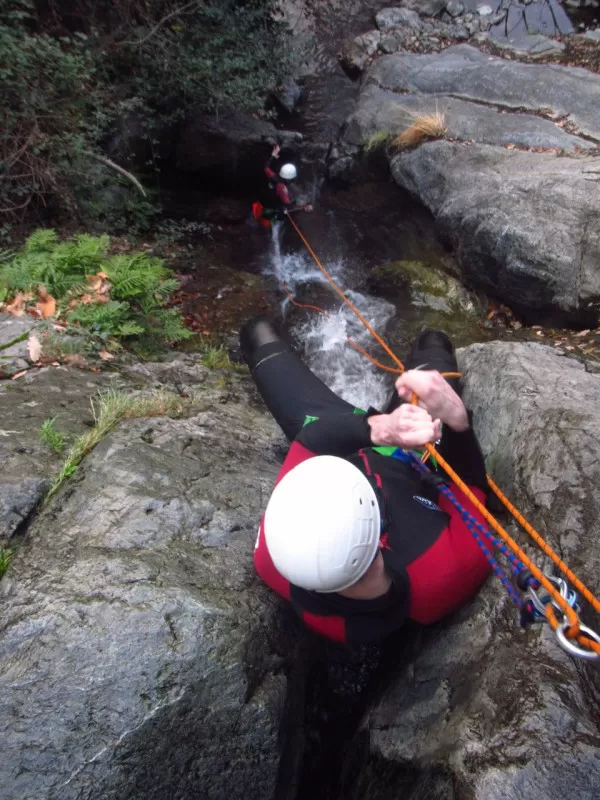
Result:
{"points": [[229, 148], [513, 191], [135, 658], [485, 710]]}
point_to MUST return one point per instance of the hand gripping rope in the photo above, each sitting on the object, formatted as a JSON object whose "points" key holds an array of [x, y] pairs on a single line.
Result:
{"points": [[544, 597]]}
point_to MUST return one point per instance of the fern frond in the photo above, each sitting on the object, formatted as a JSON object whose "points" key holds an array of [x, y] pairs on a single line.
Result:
{"points": [[42, 240]]}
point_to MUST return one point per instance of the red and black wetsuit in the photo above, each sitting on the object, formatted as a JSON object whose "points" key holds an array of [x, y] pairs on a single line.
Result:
{"points": [[432, 558], [278, 190]]}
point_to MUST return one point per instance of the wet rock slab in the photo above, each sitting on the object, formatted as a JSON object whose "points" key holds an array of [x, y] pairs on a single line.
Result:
{"points": [[487, 710], [510, 189], [27, 464], [134, 642]]}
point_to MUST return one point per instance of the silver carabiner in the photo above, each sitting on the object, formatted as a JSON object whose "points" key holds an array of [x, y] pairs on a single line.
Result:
{"points": [[574, 649], [540, 603]]}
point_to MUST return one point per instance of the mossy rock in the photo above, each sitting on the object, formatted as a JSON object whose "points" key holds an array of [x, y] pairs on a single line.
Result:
{"points": [[429, 286]]}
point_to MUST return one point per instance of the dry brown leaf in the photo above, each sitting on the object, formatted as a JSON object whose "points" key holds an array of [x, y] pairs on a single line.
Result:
{"points": [[17, 307], [95, 282], [583, 333], [47, 307], [102, 275], [86, 299], [105, 355], [18, 375], [59, 328], [35, 348], [75, 360]]}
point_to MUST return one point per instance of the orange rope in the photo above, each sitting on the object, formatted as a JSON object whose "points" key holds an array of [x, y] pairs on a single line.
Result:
{"points": [[362, 350], [573, 630], [581, 587], [301, 305]]}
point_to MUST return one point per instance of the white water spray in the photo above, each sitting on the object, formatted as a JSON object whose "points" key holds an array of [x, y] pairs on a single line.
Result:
{"points": [[324, 337]]}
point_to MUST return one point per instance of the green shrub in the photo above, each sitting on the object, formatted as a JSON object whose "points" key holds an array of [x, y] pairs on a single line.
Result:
{"points": [[71, 73], [131, 301]]}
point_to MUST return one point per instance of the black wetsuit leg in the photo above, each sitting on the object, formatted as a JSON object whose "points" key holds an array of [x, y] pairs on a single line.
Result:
{"points": [[430, 350], [289, 389]]}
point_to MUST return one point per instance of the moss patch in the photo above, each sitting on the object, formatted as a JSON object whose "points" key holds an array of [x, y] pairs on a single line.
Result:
{"points": [[428, 285]]}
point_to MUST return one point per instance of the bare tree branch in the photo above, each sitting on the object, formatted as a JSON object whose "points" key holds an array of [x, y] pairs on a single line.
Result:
{"points": [[124, 172], [159, 24]]}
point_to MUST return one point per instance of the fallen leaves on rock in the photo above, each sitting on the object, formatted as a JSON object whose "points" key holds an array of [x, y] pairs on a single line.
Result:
{"points": [[74, 360], [34, 346], [46, 304]]}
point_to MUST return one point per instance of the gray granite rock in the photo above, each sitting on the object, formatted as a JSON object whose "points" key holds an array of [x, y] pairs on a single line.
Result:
{"points": [[512, 191], [134, 646], [486, 710], [390, 18]]}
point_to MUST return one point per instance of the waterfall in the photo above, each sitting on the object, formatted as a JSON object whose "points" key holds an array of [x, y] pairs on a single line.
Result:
{"points": [[324, 337]]}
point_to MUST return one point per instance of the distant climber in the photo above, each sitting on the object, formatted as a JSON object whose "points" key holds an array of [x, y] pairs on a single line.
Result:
{"points": [[277, 201], [353, 537]]}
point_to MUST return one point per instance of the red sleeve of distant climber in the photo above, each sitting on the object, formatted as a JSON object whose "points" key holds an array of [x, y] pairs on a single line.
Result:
{"points": [[268, 171], [283, 194]]}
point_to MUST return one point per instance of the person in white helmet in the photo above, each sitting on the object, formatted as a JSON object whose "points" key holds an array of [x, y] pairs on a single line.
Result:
{"points": [[355, 538], [278, 201]]}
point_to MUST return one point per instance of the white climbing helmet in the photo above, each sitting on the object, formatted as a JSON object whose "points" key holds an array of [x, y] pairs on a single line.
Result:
{"points": [[288, 172], [322, 525]]}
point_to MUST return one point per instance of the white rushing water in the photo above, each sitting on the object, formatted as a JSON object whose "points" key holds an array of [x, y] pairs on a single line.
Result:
{"points": [[324, 337]]}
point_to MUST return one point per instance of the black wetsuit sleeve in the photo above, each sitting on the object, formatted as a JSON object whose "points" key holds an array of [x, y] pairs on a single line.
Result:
{"points": [[336, 435], [463, 453]]}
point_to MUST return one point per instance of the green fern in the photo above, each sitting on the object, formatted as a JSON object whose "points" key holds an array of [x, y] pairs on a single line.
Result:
{"points": [[129, 329], [140, 285], [42, 241], [100, 317]]}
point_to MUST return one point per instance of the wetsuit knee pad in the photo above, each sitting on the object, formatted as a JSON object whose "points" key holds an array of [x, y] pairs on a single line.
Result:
{"points": [[256, 333]]}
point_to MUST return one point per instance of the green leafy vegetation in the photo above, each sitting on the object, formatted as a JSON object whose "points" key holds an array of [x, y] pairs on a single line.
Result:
{"points": [[111, 408], [124, 296], [376, 140], [215, 357], [5, 558], [51, 436], [74, 76]]}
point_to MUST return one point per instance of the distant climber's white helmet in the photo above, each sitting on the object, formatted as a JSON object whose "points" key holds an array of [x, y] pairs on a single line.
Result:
{"points": [[322, 525], [288, 172]]}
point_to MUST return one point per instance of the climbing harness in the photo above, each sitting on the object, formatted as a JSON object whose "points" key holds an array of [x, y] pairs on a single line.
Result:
{"points": [[539, 597]]}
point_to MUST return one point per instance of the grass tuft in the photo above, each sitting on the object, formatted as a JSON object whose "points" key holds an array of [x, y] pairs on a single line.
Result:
{"points": [[52, 437], [5, 559], [422, 128], [111, 408], [215, 357], [376, 140]]}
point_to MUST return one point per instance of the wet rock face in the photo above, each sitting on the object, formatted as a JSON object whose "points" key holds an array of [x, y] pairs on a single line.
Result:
{"points": [[487, 710], [135, 641], [27, 464], [227, 149], [522, 214]]}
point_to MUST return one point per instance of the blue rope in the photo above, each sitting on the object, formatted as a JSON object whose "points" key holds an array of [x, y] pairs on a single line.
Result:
{"points": [[479, 533]]}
